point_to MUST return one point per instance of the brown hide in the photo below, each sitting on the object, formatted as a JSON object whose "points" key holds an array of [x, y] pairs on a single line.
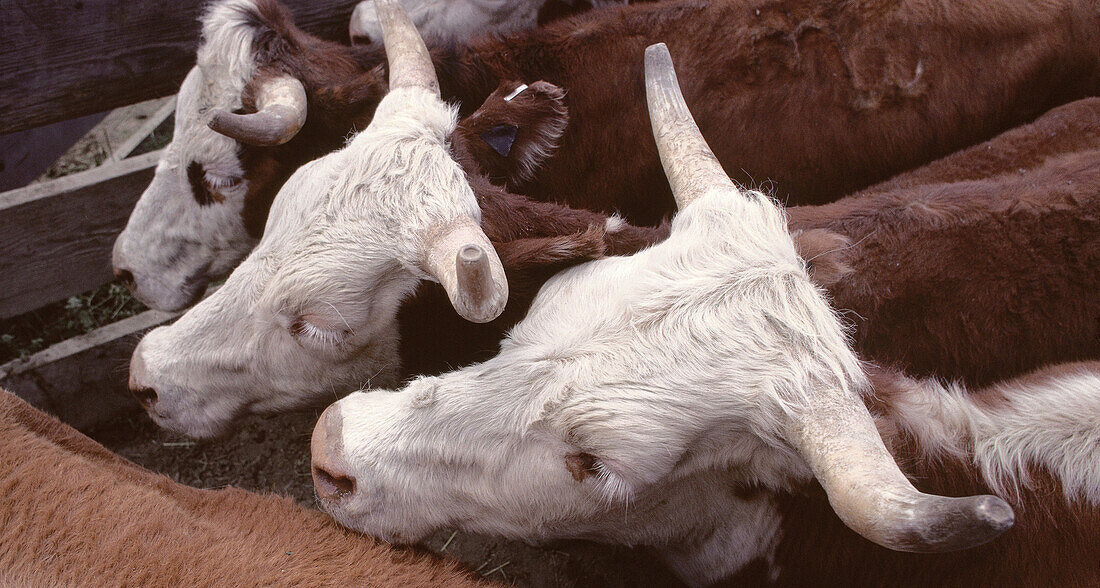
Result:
{"points": [[74, 514], [990, 274], [554, 10], [1052, 543], [815, 99]]}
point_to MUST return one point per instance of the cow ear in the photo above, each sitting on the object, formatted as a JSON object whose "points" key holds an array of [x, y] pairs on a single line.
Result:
{"points": [[515, 130], [825, 254]]}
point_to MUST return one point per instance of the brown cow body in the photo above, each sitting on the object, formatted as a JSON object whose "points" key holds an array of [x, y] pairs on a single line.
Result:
{"points": [[981, 266], [75, 514]]}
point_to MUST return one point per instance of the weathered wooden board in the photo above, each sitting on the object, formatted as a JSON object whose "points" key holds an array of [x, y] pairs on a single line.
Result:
{"points": [[60, 59], [127, 146], [25, 154], [56, 236], [83, 380]]}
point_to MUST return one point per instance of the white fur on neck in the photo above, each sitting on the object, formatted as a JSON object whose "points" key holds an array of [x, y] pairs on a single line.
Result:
{"points": [[1050, 420]]}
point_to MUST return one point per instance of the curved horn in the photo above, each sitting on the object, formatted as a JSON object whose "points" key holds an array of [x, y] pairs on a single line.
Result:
{"points": [[836, 436], [868, 491], [410, 63], [280, 114], [689, 163], [460, 256]]}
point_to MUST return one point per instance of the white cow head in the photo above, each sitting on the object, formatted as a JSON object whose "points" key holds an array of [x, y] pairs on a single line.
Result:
{"points": [[640, 398], [311, 310], [451, 21], [192, 222]]}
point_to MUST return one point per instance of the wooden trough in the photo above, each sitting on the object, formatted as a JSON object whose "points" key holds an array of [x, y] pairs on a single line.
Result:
{"points": [[61, 60]]}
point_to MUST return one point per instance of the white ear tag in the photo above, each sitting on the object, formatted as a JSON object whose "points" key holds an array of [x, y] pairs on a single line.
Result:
{"points": [[515, 92]]}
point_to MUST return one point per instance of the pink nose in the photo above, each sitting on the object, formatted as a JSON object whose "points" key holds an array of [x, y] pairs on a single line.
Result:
{"points": [[330, 476], [125, 276], [144, 394]]}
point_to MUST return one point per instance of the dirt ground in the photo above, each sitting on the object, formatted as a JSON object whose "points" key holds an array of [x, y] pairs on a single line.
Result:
{"points": [[271, 454]]}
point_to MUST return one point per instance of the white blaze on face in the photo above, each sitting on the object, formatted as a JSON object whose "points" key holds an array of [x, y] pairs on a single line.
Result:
{"points": [[451, 21], [180, 235], [311, 313]]}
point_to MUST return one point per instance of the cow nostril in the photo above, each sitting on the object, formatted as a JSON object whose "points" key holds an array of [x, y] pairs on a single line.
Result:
{"points": [[145, 396], [332, 485], [125, 276]]}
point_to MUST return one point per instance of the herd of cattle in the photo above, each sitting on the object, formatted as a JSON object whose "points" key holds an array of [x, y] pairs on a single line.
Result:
{"points": [[559, 317]]}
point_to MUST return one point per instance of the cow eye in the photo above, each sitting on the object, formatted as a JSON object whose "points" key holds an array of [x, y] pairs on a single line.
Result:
{"points": [[219, 182], [307, 332]]}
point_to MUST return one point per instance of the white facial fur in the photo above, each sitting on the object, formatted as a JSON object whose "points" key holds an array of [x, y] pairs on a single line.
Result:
{"points": [[615, 360], [172, 245], [451, 21], [311, 312]]}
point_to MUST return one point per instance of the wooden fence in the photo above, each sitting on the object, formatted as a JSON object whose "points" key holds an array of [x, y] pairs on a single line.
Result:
{"points": [[60, 60]]}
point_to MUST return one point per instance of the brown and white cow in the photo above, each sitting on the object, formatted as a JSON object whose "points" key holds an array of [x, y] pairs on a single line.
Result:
{"points": [[352, 234], [225, 358], [74, 514], [692, 398], [825, 98]]}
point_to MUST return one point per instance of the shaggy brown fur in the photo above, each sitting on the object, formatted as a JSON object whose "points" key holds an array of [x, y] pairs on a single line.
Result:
{"points": [[554, 10], [74, 514], [1052, 543], [989, 274]]}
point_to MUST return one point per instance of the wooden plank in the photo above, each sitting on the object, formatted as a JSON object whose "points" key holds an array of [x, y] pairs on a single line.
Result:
{"points": [[57, 235], [83, 380], [125, 148], [65, 58], [100, 144], [25, 154]]}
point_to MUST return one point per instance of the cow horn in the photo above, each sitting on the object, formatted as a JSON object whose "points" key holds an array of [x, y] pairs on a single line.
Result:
{"points": [[868, 491], [690, 165], [460, 256], [836, 435], [410, 63], [280, 114]]}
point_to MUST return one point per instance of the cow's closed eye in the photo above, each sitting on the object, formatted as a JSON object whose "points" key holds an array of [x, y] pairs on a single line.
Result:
{"points": [[306, 331], [207, 187], [219, 182]]}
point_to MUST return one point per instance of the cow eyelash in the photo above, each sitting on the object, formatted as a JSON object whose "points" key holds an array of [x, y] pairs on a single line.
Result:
{"points": [[319, 336], [216, 182]]}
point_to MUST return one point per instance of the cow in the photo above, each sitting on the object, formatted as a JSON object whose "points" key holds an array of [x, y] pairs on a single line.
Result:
{"points": [[884, 85], [456, 21], [391, 209], [75, 514], [223, 359], [699, 397]]}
